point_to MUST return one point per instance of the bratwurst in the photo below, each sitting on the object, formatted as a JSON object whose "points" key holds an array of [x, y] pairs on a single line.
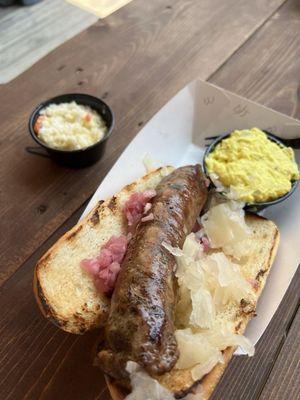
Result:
{"points": [[140, 325]]}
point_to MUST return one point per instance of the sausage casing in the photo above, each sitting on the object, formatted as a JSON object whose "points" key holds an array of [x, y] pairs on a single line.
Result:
{"points": [[140, 325]]}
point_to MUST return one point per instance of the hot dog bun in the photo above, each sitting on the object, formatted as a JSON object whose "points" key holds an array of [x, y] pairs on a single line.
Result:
{"points": [[265, 240], [66, 294]]}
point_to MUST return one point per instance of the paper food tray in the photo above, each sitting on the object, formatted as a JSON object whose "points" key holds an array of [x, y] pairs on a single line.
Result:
{"points": [[175, 136]]}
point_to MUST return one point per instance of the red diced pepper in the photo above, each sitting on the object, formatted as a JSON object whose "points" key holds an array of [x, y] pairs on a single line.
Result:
{"points": [[88, 117], [38, 123]]}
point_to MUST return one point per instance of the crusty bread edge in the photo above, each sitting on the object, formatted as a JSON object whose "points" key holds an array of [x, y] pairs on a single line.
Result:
{"points": [[210, 381], [208, 384], [40, 297]]}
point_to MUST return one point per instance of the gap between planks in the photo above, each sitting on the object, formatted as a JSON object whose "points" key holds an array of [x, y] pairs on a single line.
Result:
{"points": [[278, 373]]}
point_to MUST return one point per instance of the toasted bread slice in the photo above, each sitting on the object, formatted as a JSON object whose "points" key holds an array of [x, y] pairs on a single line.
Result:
{"points": [[264, 244], [65, 293]]}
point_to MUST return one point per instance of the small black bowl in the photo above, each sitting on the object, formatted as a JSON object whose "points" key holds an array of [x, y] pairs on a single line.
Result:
{"points": [[252, 207], [83, 157]]}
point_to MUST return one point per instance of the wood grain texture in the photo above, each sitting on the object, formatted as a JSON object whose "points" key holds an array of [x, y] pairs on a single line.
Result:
{"points": [[37, 361], [284, 380], [245, 378], [136, 59], [266, 69], [29, 33]]}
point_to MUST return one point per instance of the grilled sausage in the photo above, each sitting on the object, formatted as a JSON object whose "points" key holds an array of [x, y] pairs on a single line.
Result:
{"points": [[140, 325]]}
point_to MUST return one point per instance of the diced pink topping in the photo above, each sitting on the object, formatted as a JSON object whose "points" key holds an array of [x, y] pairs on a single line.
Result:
{"points": [[38, 123], [105, 267], [135, 207], [200, 235], [116, 246], [206, 182], [205, 243], [107, 277], [91, 266], [88, 117]]}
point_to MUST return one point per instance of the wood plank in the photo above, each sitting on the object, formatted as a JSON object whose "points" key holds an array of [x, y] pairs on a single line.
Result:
{"points": [[265, 69], [31, 373], [284, 380], [38, 361], [29, 33], [245, 377], [4, 11], [137, 58]]}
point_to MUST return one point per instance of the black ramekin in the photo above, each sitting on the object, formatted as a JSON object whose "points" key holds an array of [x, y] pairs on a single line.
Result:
{"points": [[83, 157], [252, 207]]}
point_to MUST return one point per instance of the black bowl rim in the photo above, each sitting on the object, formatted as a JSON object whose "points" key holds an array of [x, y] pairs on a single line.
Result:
{"points": [[251, 205], [60, 99]]}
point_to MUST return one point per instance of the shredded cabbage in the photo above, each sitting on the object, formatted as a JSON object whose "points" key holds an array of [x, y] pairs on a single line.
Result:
{"points": [[175, 251], [221, 339], [197, 353], [194, 348], [202, 369], [143, 386], [225, 226], [225, 280], [201, 350], [203, 309], [192, 248], [146, 388], [208, 283], [188, 272], [230, 192]]}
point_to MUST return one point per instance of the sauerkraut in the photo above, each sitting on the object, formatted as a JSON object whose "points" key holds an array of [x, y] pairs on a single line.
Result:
{"points": [[143, 386], [225, 224], [201, 370], [194, 348], [210, 286], [210, 283], [146, 388], [201, 350], [226, 228]]}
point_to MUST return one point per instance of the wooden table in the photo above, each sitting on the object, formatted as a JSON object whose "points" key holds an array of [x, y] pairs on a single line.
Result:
{"points": [[136, 59]]}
